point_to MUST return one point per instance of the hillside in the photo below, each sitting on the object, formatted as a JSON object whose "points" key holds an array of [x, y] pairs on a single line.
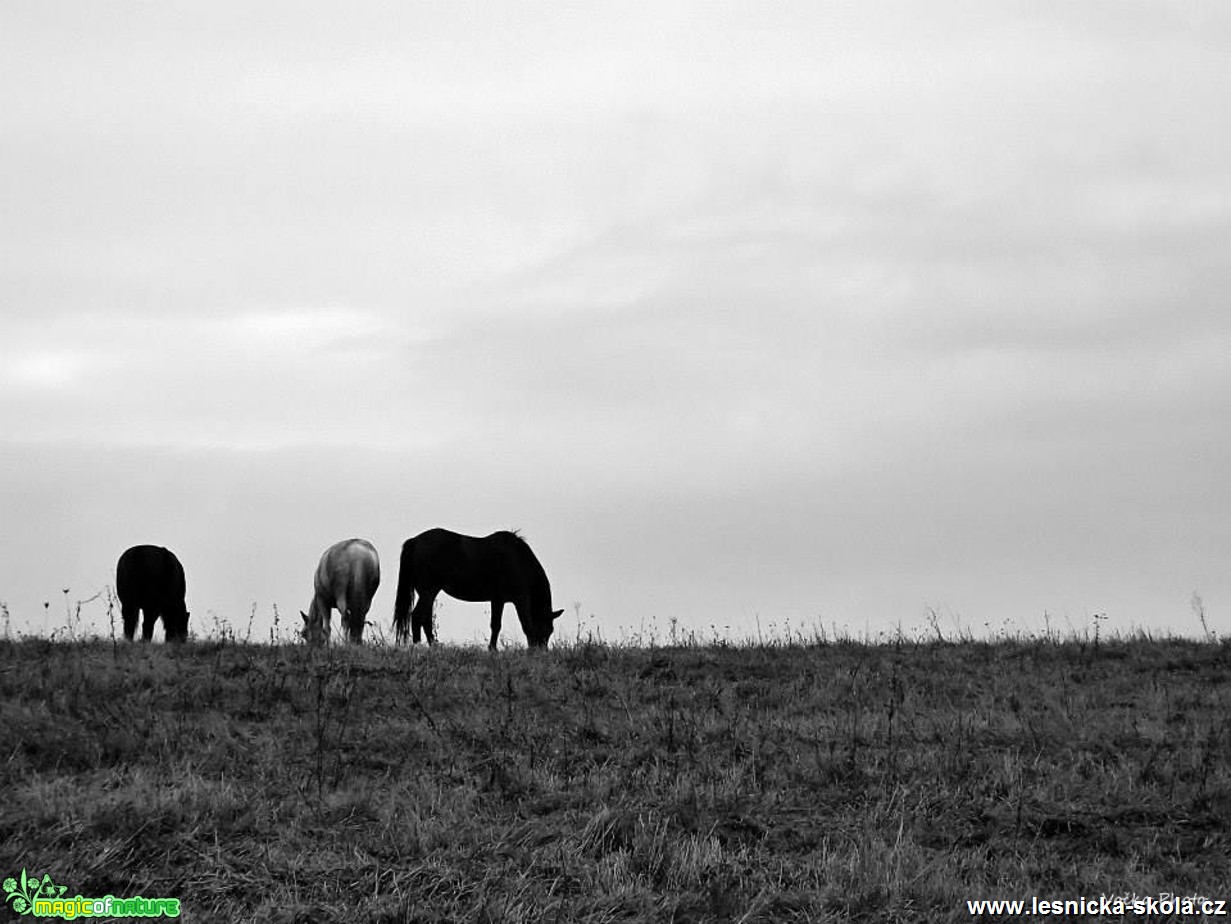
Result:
{"points": [[594, 783]]}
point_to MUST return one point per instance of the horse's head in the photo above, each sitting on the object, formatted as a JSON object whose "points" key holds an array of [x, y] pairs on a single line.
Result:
{"points": [[539, 633], [175, 622], [314, 631]]}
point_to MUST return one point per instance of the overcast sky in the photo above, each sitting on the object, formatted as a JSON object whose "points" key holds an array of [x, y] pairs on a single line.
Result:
{"points": [[817, 313]]}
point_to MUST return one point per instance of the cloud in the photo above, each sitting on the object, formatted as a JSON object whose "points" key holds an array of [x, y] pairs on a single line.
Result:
{"points": [[44, 370], [258, 379]]}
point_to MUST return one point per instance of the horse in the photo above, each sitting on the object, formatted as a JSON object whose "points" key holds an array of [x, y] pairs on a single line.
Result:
{"points": [[150, 579], [499, 569], [345, 580]]}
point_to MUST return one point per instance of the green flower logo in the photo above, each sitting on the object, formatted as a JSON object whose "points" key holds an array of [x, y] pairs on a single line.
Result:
{"points": [[22, 894]]}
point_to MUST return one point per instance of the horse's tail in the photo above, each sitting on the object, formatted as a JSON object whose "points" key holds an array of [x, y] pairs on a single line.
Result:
{"points": [[362, 582], [406, 592]]}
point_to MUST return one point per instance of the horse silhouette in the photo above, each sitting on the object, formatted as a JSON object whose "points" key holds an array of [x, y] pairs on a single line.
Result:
{"points": [[150, 579], [499, 569], [346, 579]]}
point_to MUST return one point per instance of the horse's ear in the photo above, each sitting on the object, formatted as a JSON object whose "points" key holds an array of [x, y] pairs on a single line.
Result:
{"points": [[556, 614], [304, 615]]}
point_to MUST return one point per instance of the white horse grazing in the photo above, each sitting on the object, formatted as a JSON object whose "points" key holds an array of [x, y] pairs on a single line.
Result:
{"points": [[346, 579]]}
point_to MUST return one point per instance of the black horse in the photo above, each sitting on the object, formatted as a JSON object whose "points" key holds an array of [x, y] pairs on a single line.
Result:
{"points": [[150, 578], [499, 568]]}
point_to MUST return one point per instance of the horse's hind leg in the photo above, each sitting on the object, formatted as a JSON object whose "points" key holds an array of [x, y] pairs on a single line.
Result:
{"points": [[358, 619], [130, 613], [421, 616], [416, 628], [147, 626]]}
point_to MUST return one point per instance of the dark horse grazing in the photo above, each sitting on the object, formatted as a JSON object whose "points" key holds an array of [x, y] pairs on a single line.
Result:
{"points": [[150, 578], [499, 568], [345, 580]]}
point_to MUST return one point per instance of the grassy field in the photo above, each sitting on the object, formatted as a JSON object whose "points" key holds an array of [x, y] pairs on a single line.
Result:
{"points": [[782, 782]]}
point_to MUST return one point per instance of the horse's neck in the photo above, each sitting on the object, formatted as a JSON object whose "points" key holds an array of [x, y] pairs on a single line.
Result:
{"points": [[319, 610]]}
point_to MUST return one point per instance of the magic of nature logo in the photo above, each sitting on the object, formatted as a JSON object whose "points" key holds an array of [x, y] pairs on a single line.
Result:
{"points": [[42, 898]]}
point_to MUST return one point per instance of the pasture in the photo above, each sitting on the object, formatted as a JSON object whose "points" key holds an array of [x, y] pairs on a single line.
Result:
{"points": [[795, 781]]}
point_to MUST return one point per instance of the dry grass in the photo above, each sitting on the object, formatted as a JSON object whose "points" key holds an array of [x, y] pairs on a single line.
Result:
{"points": [[809, 782]]}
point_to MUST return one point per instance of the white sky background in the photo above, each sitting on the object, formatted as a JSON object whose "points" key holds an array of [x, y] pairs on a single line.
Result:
{"points": [[819, 313]]}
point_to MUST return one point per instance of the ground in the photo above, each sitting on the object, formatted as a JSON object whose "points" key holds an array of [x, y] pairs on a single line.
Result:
{"points": [[805, 780]]}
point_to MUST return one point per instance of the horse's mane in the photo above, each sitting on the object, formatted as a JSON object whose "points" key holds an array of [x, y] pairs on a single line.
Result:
{"points": [[516, 534], [530, 558]]}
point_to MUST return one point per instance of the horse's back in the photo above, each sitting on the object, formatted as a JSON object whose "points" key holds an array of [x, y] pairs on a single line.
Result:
{"points": [[438, 548], [441, 544], [149, 572], [348, 563], [436, 540]]}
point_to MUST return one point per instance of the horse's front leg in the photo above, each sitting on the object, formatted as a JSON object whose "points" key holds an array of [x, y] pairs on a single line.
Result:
{"points": [[497, 614]]}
